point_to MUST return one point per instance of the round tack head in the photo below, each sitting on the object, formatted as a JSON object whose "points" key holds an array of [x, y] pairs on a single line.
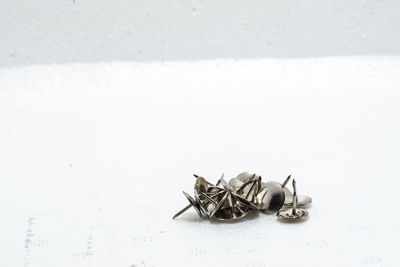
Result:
{"points": [[271, 197], [194, 203], [287, 214], [288, 194]]}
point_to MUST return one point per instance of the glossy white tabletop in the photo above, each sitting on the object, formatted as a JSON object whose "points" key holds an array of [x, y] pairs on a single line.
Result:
{"points": [[94, 159]]}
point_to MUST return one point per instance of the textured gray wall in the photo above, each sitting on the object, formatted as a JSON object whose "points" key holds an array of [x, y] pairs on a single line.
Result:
{"points": [[48, 31]]}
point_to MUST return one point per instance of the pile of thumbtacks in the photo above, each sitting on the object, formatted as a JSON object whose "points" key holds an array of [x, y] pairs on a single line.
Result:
{"points": [[244, 194]]}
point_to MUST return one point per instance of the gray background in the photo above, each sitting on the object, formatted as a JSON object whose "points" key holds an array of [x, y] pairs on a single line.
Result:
{"points": [[42, 31]]}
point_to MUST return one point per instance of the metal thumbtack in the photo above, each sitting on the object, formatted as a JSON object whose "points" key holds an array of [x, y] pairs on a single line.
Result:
{"points": [[243, 183], [245, 187], [201, 186], [193, 204], [271, 197], [219, 204], [250, 188], [302, 200], [294, 213], [228, 209], [233, 200], [288, 194], [200, 183]]}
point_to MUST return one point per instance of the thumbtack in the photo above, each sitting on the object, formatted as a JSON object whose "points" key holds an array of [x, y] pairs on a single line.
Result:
{"points": [[288, 194], [271, 197], [195, 204], [192, 204], [244, 194], [294, 213]]}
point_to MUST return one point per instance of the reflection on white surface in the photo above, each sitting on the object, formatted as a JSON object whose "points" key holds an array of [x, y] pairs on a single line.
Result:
{"points": [[94, 158]]}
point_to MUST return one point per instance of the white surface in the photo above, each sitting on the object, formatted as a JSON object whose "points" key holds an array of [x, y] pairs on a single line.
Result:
{"points": [[94, 158], [45, 31]]}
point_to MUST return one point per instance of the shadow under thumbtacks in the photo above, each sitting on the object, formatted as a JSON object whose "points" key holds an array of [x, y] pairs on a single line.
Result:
{"points": [[194, 218], [292, 222], [190, 217], [249, 217]]}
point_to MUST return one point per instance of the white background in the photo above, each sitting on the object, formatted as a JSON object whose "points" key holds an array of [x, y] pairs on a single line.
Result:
{"points": [[97, 141]]}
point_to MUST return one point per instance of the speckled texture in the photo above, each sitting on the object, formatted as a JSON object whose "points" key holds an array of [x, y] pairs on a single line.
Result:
{"points": [[67, 31]]}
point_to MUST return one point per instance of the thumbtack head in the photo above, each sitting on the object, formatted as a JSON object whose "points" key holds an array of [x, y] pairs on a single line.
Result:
{"points": [[246, 193], [288, 194], [288, 214], [271, 198], [194, 204]]}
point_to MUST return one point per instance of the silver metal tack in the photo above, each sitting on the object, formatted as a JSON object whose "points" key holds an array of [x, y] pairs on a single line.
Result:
{"points": [[294, 213], [271, 198], [193, 204], [288, 194], [219, 205]]}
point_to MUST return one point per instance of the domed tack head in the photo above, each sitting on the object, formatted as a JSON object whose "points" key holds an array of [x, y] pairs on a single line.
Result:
{"points": [[288, 194], [271, 198]]}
